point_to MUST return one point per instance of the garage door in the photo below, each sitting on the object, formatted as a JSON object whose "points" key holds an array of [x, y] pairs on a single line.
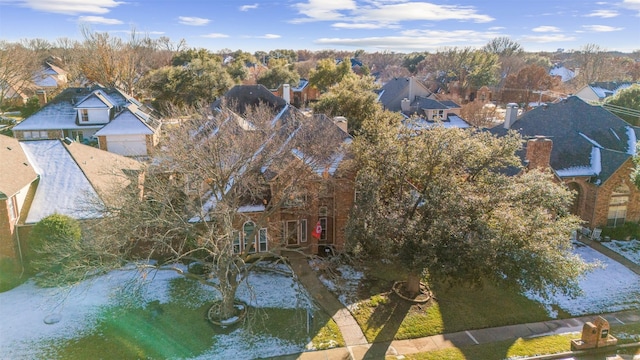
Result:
{"points": [[128, 145]]}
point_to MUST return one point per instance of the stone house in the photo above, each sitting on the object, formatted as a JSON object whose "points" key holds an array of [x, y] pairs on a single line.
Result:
{"points": [[590, 150], [113, 120]]}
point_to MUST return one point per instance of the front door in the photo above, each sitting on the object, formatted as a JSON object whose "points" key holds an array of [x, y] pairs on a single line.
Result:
{"points": [[292, 232]]}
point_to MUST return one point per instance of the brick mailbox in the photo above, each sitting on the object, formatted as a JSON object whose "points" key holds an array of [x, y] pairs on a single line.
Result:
{"points": [[594, 335]]}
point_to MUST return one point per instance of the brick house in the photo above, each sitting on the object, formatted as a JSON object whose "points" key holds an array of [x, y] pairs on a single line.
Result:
{"points": [[325, 200], [108, 116], [299, 95], [590, 150], [40, 178]]}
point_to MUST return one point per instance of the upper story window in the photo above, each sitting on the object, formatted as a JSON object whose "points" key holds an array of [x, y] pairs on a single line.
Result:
{"points": [[84, 114]]}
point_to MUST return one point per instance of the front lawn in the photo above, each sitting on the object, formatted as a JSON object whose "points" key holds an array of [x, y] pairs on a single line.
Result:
{"points": [[455, 309], [159, 315]]}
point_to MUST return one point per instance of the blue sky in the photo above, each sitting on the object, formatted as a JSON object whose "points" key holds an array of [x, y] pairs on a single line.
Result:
{"points": [[372, 25]]}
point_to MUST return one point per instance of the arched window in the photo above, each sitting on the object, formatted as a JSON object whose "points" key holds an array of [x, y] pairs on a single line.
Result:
{"points": [[249, 235], [618, 205]]}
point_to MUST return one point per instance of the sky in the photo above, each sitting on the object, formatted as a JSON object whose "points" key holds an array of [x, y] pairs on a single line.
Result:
{"points": [[370, 25]]}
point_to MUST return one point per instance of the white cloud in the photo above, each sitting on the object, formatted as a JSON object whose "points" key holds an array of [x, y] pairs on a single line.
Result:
{"points": [[269, 36], [412, 40], [603, 13], [98, 20], [601, 28], [547, 38], [409, 11], [323, 10], [248, 7], [216, 36], [631, 4], [193, 21], [385, 12], [343, 25], [546, 29], [71, 7]]}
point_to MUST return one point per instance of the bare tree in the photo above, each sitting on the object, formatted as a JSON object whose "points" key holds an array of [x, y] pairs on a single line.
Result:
{"points": [[221, 178], [17, 67]]}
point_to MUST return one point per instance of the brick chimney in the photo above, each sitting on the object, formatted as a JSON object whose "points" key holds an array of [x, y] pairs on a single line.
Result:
{"points": [[539, 152]]}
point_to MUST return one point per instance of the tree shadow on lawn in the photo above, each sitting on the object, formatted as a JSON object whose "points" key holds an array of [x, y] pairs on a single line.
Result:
{"points": [[392, 316]]}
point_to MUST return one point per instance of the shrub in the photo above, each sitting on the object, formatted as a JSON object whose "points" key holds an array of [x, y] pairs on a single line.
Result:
{"points": [[55, 244], [628, 231]]}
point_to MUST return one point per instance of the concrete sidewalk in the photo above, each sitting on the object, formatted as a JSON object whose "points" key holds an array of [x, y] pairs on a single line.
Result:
{"points": [[463, 338], [358, 348], [611, 254]]}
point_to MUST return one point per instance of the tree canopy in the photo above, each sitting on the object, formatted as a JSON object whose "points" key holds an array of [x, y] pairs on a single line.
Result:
{"points": [[439, 204], [327, 73], [353, 98], [626, 104]]}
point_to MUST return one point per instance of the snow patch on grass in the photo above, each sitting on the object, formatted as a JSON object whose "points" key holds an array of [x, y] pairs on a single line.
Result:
{"points": [[629, 249], [610, 288]]}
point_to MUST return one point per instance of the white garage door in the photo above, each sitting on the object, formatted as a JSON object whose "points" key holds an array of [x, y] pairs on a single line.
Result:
{"points": [[128, 145]]}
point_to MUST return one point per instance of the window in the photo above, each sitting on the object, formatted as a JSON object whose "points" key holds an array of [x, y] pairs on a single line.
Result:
{"points": [[85, 115], [13, 208], [292, 232], [249, 236], [35, 134], [296, 198], [618, 206], [263, 246], [303, 230], [323, 223], [77, 135]]}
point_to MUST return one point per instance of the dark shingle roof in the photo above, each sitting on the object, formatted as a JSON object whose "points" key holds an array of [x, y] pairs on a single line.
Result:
{"points": [[242, 97], [576, 128]]}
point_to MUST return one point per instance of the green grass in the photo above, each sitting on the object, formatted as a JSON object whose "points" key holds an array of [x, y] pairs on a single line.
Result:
{"points": [[384, 317], [523, 347], [502, 349], [10, 274], [179, 329]]}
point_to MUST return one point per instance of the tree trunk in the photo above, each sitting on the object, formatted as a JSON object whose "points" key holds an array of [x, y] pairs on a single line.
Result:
{"points": [[227, 309], [413, 284]]}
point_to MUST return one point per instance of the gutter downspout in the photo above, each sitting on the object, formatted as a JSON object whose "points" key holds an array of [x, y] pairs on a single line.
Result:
{"points": [[20, 251]]}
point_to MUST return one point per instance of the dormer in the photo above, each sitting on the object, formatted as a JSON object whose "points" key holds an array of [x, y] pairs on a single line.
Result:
{"points": [[95, 109]]}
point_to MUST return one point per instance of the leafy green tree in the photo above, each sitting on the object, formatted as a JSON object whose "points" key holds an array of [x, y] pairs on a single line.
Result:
{"points": [[185, 57], [199, 81], [327, 73], [635, 175], [412, 60], [626, 104], [55, 244], [353, 98], [463, 67], [439, 205], [279, 73], [32, 105]]}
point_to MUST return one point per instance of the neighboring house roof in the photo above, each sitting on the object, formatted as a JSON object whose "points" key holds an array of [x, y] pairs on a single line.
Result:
{"points": [[242, 97], [63, 188], [61, 111], [125, 123], [107, 172], [16, 171], [587, 140], [95, 100], [562, 72], [75, 179], [396, 89], [605, 89]]}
